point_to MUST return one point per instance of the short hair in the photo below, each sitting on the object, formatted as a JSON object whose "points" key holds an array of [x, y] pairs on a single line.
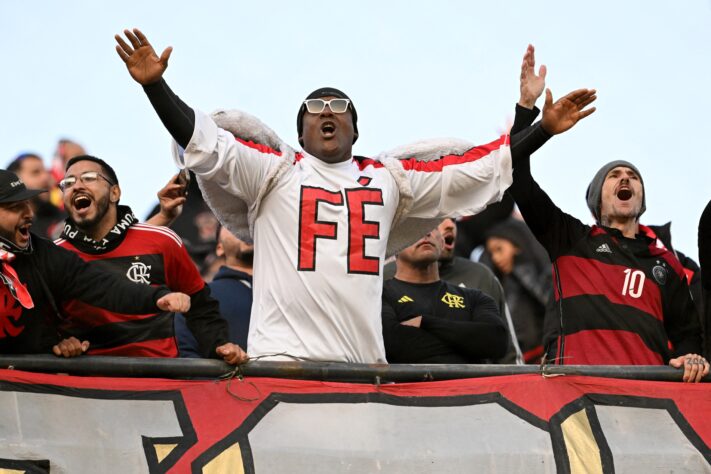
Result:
{"points": [[16, 164], [217, 232], [105, 168]]}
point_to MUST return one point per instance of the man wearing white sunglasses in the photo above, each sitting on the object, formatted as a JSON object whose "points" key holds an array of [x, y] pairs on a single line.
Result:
{"points": [[322, 219]]}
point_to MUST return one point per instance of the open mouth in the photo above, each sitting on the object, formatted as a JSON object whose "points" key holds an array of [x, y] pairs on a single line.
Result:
{"points": [[81, 202], [24, 230], [448, 240], [624, 194], [328, 129]]}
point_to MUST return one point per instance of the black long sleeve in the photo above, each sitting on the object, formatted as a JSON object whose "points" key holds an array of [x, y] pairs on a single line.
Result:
{"points": [[482, 337], [204, 321], [175, 114], [411, 345], [705, 247]]}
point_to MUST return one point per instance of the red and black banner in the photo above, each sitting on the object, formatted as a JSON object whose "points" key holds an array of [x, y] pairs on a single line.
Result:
{"points": [[518, 423]]}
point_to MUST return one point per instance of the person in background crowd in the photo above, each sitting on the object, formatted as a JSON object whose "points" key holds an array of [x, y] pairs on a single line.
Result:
{"points": [[622, 296], [463, 272], [429, 320], [37, 277], [524, 271], [295, 202], [107, 234], [705, 261], [231, 287], [29, 167]]}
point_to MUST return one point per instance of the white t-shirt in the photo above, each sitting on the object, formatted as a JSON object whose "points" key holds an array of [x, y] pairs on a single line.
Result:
{"points": [[321, 232]]}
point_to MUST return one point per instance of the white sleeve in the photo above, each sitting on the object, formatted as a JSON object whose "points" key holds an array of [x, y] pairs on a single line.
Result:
{"points": [[237, 167], [460, 185]]}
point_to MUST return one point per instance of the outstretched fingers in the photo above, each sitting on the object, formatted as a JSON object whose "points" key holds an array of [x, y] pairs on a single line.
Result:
{"points": [[132, 38], [125, 48]]}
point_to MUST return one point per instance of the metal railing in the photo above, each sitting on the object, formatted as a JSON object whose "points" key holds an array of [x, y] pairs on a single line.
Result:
{"points": [[324, 371]]}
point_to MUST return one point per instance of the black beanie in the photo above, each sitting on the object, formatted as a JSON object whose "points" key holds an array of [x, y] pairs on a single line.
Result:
{"points": [[325, 92], [594, 191]]}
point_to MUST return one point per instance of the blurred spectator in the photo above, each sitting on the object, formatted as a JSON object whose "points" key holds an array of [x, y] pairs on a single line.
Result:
{"points": [[428, 320], [100, 230], [37, 277], [467, 274], [231, 287], [29, 167], [705, 261], [524, 271]]}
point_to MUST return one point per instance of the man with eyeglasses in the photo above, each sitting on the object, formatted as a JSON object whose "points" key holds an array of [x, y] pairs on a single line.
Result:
{"points": [[322, 219], [107, 234], [36, 277]]}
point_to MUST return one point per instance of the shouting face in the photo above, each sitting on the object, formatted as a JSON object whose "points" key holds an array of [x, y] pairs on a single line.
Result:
{"points": [[622, 195], [90, 195], [327, 135], [15, 222]]}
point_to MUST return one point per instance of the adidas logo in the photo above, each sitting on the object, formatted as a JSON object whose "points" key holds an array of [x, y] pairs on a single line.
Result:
{"points": [[604, 248], [405, 299]]}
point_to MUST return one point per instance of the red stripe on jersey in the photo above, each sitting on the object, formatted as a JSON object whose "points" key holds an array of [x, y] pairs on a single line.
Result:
{"points": [[608, 347], [259, 147], [471, 155], [154, 348], [595, 230], [363, 162], [86, 315], [619, 284]]}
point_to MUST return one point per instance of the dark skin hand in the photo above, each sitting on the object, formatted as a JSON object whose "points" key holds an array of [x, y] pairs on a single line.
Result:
{"points": [[140, 58], [566, 111]]}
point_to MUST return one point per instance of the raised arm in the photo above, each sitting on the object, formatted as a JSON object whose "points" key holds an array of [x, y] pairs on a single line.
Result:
{"points": [[147, 68]]}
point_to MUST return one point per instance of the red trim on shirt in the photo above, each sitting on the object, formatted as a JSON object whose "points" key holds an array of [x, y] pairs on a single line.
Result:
{"points": [[259, 147], [471, 155]]}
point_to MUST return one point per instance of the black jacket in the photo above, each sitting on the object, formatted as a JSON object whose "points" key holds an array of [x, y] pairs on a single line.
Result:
{"points": [[53, 275]]}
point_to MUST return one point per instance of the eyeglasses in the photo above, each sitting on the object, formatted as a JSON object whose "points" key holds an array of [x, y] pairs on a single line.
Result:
{"points": [[88, 177], [337, 106]]}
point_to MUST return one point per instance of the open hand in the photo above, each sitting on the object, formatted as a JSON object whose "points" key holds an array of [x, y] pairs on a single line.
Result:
{"points": [[70, 347], [140, 58], [174, 302], [566, 111], [232, 354], [532, 85]]}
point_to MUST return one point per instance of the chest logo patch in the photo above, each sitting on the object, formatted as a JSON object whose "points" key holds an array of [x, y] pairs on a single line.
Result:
{"points": [[139, 273], [364, 180], [660, 274], [453, 301], [604, 248], [405, 299]]}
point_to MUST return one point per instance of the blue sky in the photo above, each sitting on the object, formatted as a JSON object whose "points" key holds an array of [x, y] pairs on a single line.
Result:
{"points": [[414, 70]]}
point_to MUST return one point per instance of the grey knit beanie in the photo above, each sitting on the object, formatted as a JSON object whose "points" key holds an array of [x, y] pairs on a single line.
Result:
{"points": [[594, 191]]}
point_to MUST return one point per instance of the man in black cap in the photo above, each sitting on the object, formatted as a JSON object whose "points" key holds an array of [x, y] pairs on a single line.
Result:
{"points": [[323, 219], [38, 276], [621, 295]]}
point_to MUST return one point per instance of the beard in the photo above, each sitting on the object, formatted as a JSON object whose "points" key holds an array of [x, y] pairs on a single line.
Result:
{"points": [[86, 224]]}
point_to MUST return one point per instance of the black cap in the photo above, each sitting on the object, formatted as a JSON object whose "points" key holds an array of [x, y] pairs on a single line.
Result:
{"points": [[12, 189], [325, 92]]}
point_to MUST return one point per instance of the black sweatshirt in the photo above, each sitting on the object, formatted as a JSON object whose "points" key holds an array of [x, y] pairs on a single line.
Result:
{"points": [[53, 275], [459, 325]]}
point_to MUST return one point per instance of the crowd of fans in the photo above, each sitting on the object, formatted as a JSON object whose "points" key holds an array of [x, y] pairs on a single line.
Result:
{"points": [[517, 283]]}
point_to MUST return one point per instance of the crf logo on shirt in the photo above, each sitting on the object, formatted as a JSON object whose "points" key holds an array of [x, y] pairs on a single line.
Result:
{"points": [[10, 310], [139, 273], [311, 228], [453, 301]]}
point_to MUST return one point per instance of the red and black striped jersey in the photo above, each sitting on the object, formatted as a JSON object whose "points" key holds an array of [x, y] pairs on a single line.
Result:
{"points": [[148, 255]]}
